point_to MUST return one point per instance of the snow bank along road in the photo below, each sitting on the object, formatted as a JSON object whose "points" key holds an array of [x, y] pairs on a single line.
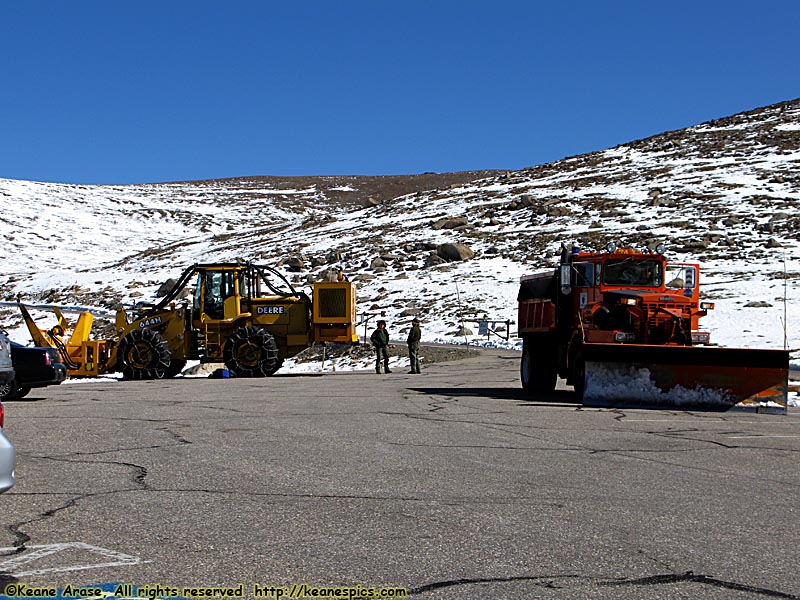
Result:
{"points": [[450, 484]]}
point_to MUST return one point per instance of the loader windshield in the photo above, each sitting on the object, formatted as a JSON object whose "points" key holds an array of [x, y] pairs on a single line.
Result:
{"points": [[216, 287], [629, 272]]}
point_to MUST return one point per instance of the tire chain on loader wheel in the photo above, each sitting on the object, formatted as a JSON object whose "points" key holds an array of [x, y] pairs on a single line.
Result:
{"points": [[175, 368], [251, 352], [144, 354]]}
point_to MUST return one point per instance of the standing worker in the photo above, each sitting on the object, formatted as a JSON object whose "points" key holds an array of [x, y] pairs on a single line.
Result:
{"points": [[414, 337], [380, 340]]}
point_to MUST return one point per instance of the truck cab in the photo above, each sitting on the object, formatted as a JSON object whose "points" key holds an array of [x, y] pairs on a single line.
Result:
{"points": [[627, 296]]}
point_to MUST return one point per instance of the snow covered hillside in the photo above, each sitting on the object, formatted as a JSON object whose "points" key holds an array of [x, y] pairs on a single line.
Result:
{"points": [[724, 194]]}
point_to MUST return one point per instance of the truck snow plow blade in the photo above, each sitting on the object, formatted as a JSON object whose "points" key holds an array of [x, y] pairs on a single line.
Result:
{"points": [[702, 377]]}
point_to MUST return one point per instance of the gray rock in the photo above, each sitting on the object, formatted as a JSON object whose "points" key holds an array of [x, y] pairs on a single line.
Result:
{"points": [[166, 288], [328, 275], [295, 264], [433, 260], [377, 264], [455, 252], [334, 256], [450, 223]]}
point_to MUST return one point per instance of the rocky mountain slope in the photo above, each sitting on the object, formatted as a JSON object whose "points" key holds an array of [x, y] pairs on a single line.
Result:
{"points": [[447, 247]]}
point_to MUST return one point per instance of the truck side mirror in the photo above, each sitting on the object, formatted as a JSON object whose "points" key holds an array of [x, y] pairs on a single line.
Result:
{"points": [[690, 279]]}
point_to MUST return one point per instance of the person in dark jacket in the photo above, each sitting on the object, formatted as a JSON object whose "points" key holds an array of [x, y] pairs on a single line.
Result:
{"points": [[414, 337], [380, 341]]}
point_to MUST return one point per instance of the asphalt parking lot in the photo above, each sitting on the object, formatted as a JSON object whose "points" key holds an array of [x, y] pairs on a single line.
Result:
{"points": [[450, 484]]}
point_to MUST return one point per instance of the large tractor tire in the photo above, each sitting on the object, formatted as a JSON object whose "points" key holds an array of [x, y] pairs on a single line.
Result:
{"points": [[175, 368], [144, 354], [537, 369], [278, 365], [251, 352]]}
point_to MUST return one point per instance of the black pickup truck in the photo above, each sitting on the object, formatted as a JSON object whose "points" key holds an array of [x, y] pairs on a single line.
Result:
{"points": [[6, 366], [34, 367]]}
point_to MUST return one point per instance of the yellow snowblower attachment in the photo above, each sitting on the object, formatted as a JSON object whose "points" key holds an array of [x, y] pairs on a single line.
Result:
{"points": [[710, 378], [83, 357]]}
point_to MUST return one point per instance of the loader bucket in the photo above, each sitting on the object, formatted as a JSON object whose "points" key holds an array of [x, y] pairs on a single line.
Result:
{"points": [[702, 377]]}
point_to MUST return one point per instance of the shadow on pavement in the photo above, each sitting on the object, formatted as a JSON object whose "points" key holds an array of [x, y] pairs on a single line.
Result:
{"points": [[556, 397]]}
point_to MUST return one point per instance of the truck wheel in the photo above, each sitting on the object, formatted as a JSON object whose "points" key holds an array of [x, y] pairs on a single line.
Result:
{"points": [[579, 376], [143, 354], [251, 352], [537, 370], [8, 390]]}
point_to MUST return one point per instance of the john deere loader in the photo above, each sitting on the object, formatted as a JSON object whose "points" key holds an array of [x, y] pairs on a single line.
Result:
{"points": [[622, 327], [247, 316]]}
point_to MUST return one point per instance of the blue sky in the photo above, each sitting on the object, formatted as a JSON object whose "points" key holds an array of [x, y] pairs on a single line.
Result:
{"points": [[132, 92]]}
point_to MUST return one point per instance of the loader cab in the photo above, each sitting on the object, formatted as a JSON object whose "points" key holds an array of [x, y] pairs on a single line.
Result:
{"points": [[216, 295]]}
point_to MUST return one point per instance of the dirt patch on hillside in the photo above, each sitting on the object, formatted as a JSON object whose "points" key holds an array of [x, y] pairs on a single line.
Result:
{"points": [[348, 190]]}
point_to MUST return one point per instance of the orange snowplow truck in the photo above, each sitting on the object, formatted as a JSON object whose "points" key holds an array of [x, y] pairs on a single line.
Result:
{"points": [[622, 327]]}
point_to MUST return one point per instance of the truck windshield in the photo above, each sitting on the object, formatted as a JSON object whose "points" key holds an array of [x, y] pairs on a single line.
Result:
{"points": [[630, 272]]}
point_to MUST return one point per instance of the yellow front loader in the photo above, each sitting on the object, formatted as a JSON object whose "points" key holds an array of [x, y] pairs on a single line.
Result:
{"points": [[237, 315]]}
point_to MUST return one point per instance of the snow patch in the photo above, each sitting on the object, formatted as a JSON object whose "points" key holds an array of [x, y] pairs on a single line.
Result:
{"points": [[615, 383]]}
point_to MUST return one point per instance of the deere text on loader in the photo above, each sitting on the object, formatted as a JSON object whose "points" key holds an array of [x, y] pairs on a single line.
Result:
{"points": [[622, 327], [236, 314]]}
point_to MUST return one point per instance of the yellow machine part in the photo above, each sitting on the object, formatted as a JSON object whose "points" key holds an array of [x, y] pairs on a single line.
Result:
{"points": [[84, 357], [334, 313], [91, 357], [82, 330]]}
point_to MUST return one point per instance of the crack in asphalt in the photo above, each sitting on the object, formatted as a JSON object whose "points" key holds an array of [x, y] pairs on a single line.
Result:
{"points": [[684, 434], [546, 581], [638, 453], [690, 576], [138, 478], [16, 529], [555, 582], [21, 538]]}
